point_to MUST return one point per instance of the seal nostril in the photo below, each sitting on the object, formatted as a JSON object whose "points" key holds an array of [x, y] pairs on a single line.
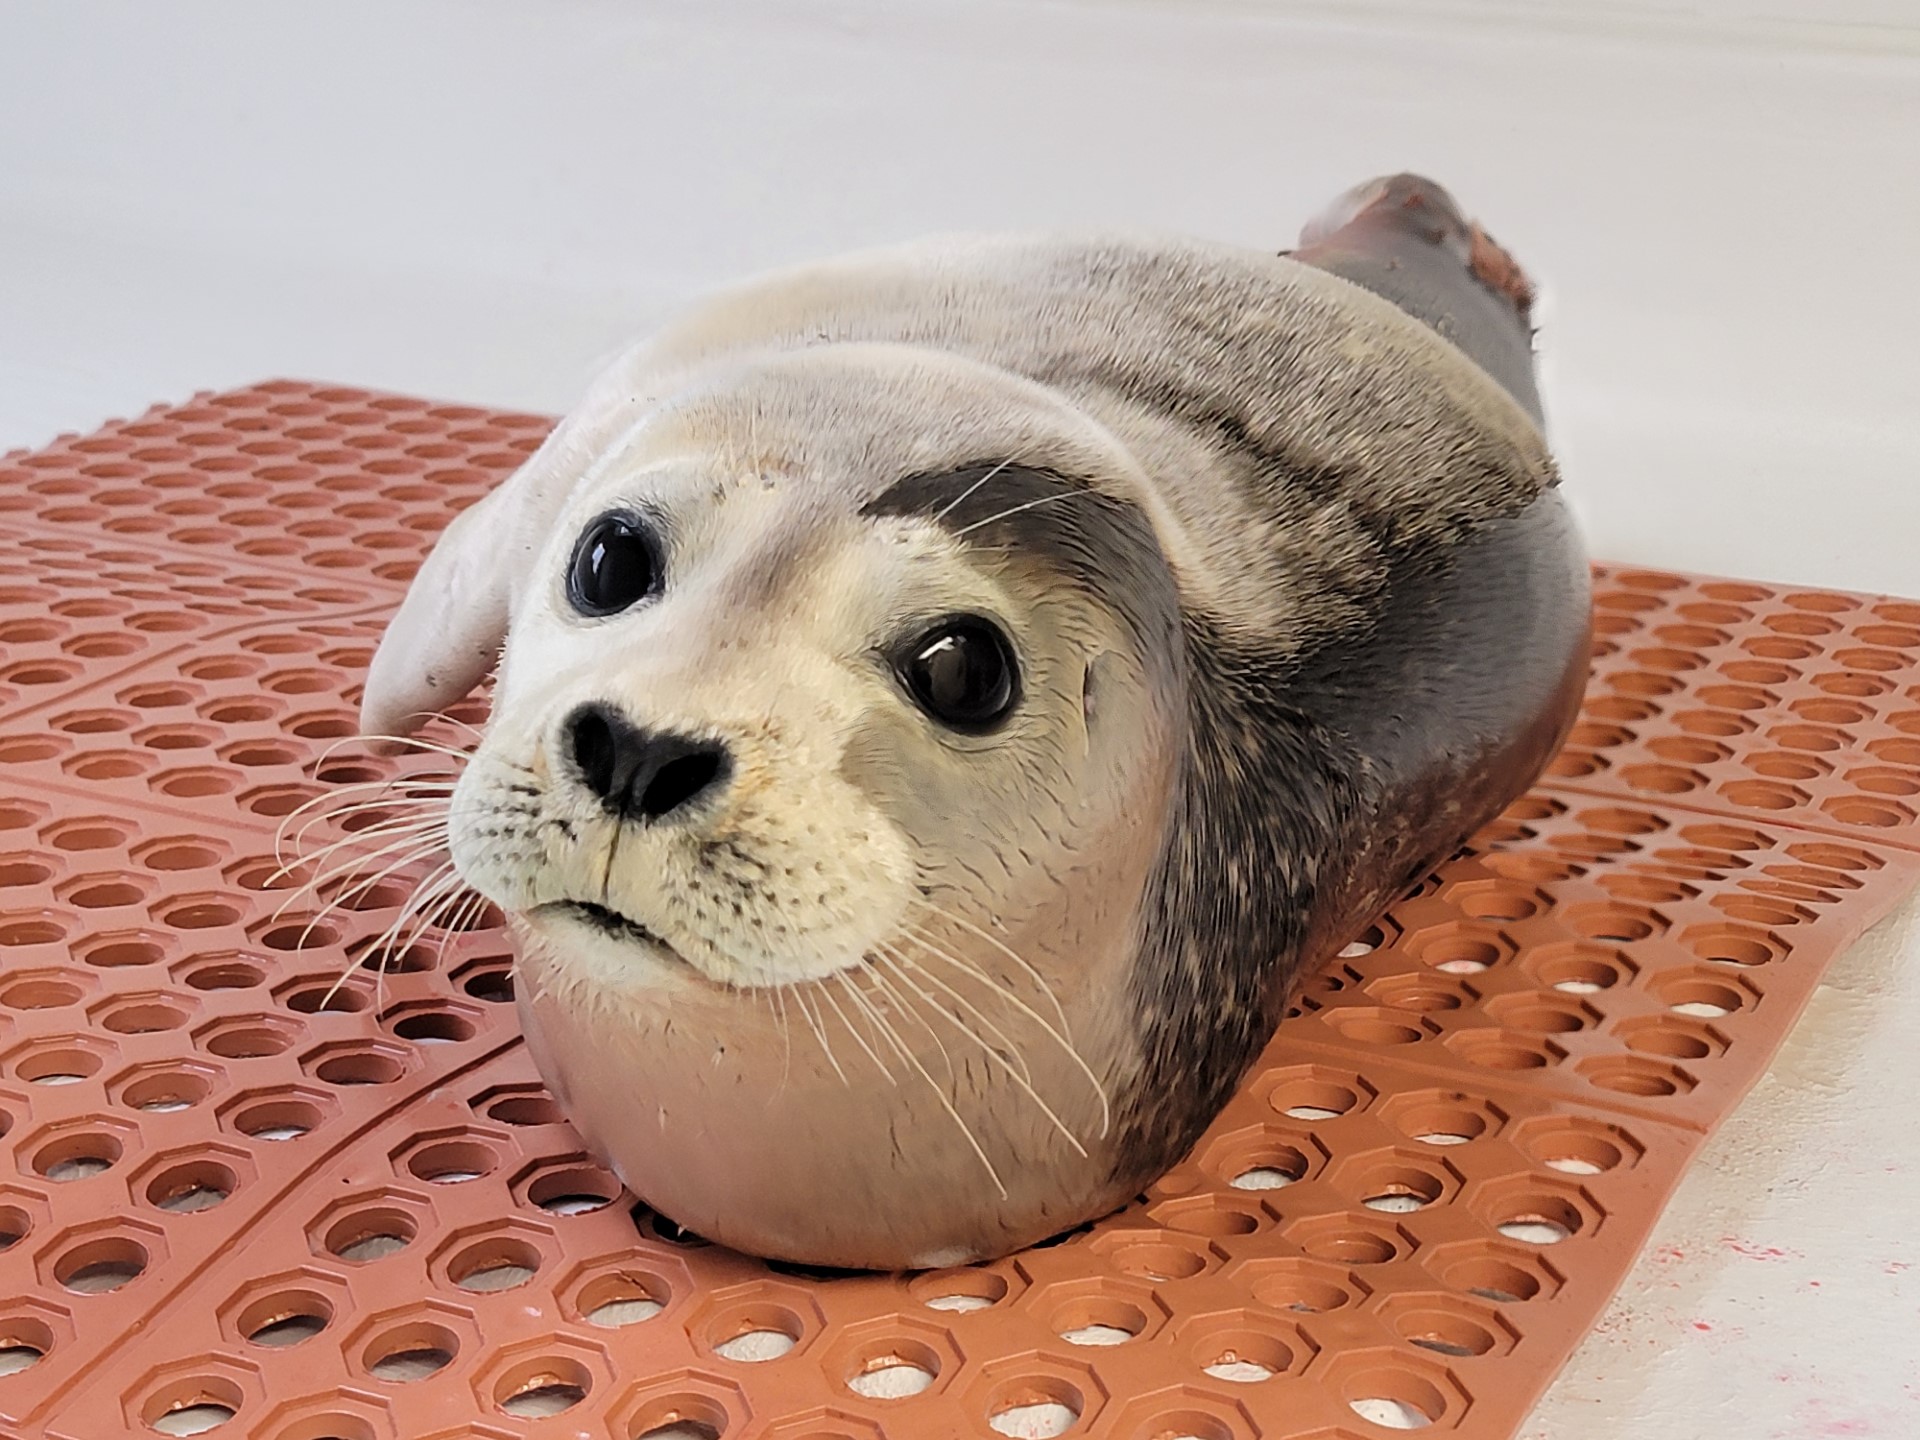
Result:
{"points": [[595, 744], [679, 780]]}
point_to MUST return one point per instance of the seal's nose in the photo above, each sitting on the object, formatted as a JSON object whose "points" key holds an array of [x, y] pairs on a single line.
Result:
{"points": [[638, 775]]}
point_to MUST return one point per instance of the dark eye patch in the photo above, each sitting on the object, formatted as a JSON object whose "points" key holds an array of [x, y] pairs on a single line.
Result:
{"points": [[1104, 546]]}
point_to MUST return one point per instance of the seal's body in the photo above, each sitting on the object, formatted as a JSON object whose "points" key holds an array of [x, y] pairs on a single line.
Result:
{"points": [[949, 696]]}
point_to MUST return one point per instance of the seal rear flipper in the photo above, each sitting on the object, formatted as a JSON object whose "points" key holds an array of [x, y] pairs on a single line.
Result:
{"points": [[1404, 238]]}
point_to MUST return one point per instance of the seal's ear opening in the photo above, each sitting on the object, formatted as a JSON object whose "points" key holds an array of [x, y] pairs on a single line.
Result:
{"points": [[447, 632]]}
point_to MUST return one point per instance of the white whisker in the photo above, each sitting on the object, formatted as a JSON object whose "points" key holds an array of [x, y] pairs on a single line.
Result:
{"points": [[1013, 510], [900, 1048], [428, 806], [1020, 1079], [1006, 1041], [826, 994], [1038, 979], [430, 747], [906, 1008], [1059, 1038], [334, 792], [383, 944], [819, 1033], [958, 500], [777, 1004], [430, 830]]}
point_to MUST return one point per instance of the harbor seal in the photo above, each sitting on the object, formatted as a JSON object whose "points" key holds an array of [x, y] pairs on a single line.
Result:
{"points": [[948, 696]]}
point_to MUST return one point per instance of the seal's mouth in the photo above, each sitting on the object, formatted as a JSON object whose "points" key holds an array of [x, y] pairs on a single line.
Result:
{"points": [[609, 922]]}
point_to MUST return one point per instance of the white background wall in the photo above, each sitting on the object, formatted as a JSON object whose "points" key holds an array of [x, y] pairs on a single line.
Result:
{"points": [[479, 200]]}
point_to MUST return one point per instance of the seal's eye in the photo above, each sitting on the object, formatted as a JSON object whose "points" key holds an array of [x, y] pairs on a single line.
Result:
{"points": [[962, 673], [615, 565]]}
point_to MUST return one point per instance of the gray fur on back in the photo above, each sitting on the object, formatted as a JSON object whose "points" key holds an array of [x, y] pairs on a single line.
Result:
{"points": [[1294, 428]]}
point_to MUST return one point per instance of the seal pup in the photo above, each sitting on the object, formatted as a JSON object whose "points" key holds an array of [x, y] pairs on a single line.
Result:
{"points": [[948, 696]]}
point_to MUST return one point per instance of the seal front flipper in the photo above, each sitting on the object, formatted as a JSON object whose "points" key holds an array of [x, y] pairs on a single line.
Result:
{"points": [[1404, 238]]}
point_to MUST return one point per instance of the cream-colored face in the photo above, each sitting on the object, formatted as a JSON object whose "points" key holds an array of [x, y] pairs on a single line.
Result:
{"points": [[783, 869], [850, 823]]}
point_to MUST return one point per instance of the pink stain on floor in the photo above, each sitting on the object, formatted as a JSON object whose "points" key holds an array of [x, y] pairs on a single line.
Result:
{"points": [[1819, 1416], [1816, 1417], [1758, 1252]]}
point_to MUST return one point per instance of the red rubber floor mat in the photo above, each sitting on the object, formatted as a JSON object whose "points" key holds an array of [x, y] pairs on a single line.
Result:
{"points": [[239, 1201]]}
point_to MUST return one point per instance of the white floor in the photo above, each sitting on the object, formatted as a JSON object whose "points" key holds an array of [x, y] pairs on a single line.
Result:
{"points": [[479, 199], [1777, 1297]]}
